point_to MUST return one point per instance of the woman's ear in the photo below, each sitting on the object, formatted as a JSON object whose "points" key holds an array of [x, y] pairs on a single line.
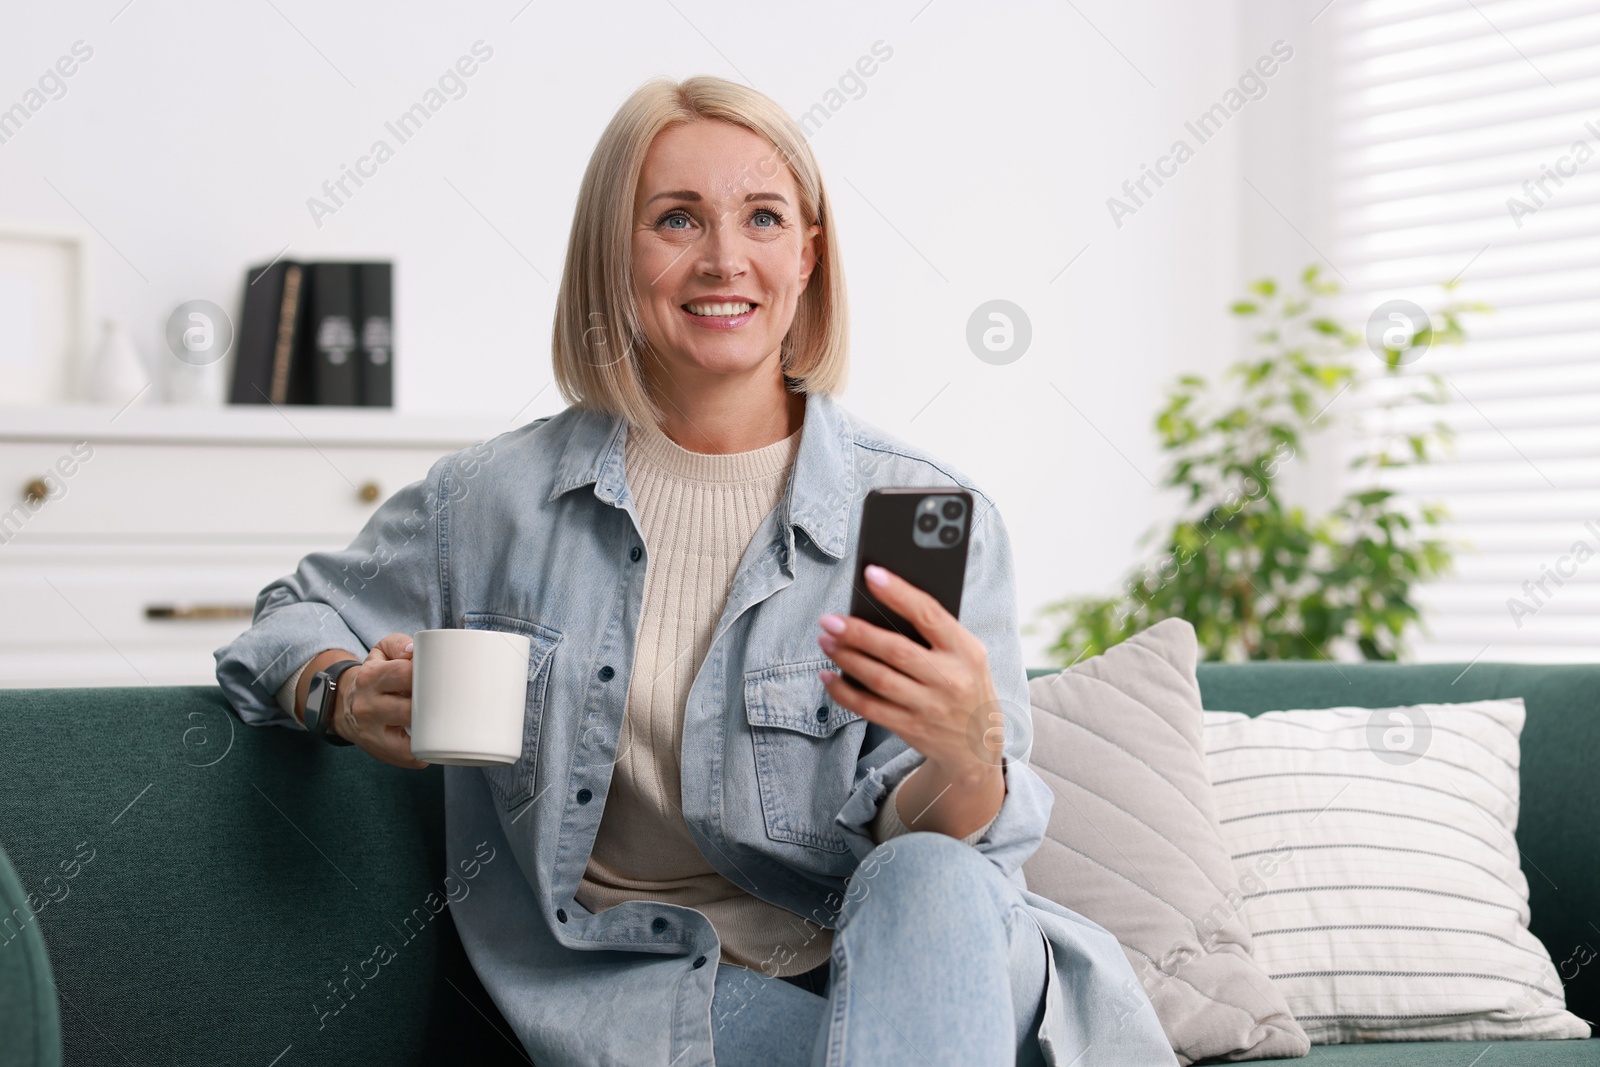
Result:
{"points": [[809, 254]]}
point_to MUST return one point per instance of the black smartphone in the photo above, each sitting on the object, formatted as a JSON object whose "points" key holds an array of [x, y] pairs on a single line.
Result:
{"points": [[920, 534]]}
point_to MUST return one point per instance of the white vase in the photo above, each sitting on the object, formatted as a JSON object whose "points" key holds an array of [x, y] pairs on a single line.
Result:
{"points": [[116, 375], [198, 386]]}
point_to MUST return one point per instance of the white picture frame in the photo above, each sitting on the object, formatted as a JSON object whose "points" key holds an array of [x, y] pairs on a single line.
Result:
{"points": [[44, 313]]}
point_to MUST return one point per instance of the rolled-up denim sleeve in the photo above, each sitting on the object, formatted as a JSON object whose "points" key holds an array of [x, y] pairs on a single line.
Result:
{"points": [[387, 580], [989, 612]]}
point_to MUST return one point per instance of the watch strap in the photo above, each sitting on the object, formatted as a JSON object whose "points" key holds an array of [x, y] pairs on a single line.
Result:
{"points": [[322, 724]]}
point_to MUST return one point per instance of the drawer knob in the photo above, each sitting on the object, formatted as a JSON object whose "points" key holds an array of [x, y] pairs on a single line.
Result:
{"points": [[369, 492], [36, 490]]}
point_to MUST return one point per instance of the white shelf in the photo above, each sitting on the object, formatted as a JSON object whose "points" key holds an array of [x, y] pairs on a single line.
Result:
{"points": [[247, 424]]}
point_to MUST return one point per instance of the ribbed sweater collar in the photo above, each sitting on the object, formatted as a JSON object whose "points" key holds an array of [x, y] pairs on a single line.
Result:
{"points": [[656, 449]]}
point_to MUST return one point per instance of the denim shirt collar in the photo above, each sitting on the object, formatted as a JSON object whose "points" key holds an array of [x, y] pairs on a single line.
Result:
{"points": [[820, 491]]}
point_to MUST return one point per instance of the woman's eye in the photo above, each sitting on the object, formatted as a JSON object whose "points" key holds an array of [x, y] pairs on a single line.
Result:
{"points": [[667, 220]]}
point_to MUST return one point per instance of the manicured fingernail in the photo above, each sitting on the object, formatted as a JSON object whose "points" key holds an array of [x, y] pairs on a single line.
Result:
{"points": [[877, 575], [826, 676], [832, 623], [409, 645]]}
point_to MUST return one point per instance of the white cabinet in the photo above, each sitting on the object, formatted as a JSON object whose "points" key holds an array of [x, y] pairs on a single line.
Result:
{"points": [[133, 545]]}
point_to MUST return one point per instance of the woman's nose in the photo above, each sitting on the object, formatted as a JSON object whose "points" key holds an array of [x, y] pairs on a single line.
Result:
{"points": [[723, 253]]}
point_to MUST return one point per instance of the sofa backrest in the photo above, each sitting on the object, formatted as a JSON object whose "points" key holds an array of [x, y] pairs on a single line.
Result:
{"points": [[214, 893]]}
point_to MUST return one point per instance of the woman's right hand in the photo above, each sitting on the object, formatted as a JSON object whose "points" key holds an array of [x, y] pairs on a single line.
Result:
{"points": [[373, 709]]}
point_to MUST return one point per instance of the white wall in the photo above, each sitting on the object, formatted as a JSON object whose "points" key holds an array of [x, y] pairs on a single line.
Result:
{"points": [[984, 151], [1284, 216]]}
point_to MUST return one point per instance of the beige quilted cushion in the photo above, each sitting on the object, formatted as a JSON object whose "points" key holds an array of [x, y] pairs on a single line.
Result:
{"points": [[1134, 845]]}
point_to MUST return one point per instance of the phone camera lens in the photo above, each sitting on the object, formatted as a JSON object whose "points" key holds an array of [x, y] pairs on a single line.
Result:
{"points": [[926, 522], [950, 534], [952, 509]]}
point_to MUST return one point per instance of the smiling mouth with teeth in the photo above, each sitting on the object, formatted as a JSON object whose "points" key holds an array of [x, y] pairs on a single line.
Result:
{"points": [[721, 311]]}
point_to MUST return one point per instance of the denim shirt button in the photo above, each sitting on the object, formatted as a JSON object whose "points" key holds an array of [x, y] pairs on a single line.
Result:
{"points": [[659, 925], [606, 673], [561, 915], [584, 796], [822, 713], [699, 962], [634, 554]]}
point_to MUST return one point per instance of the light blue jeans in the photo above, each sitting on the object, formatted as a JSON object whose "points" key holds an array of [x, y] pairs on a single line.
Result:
{"points": [[935, 961]]}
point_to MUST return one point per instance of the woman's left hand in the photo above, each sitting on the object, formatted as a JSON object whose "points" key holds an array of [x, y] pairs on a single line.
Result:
{"points": [[940, 700]]}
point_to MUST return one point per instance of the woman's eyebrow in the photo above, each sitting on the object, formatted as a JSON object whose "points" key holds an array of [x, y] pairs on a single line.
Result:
{"points": [[690, 194]]}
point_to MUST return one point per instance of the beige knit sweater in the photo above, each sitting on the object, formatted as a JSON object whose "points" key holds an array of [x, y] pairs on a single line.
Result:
{"points": [[698, 512]]}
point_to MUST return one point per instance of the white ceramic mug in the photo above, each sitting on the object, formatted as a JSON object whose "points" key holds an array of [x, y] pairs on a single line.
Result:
{"points": [[469, 689]]}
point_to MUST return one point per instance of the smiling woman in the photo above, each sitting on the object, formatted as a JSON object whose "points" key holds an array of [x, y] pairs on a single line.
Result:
{"points": [[705, 330], [725, 186], [695, 786]]}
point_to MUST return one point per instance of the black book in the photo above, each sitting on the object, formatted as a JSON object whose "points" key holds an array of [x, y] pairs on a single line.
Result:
{"points": [[292, 366], [266, 366], [377, 334], [330, 339]]}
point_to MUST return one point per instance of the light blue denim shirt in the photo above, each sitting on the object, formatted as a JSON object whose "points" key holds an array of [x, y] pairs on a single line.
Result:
{"points": [[535, 532]]}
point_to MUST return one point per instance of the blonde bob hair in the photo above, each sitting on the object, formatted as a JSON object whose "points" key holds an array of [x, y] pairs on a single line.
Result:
{"points": [[598, 341]]}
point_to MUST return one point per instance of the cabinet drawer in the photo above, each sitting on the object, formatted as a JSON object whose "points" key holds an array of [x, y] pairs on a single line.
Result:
{"points": [[104, 615], [189, 492]]}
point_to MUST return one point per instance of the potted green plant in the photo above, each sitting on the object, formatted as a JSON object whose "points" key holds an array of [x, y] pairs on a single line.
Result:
{"points": [[1258, 577]]}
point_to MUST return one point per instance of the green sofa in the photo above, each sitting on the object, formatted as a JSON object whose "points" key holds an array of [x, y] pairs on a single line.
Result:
{"points": [[206, 886]]}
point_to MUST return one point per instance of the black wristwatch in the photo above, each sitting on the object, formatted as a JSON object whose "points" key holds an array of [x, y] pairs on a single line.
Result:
{"points": [[323, 697]]}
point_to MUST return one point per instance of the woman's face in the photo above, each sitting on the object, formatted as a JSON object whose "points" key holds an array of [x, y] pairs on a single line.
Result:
{"points": [[716, 223]]}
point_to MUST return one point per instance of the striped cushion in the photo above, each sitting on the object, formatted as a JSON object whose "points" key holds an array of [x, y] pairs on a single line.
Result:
{"points": [[1394, 905]]}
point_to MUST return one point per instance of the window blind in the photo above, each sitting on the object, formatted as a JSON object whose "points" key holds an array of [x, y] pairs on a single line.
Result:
{"points": [[1465, 143]]}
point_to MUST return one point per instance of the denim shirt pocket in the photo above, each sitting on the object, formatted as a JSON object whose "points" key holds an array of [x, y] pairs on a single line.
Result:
{"points": [[512, 784], [806, 749]]}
